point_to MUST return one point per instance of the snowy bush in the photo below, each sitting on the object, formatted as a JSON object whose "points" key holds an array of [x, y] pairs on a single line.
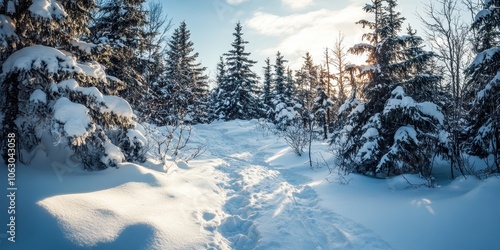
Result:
{"points": [[171, 142], [297, 136], [46, 96]]}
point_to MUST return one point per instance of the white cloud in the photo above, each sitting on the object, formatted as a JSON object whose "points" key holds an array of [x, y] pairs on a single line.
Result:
{"points": [[296, 4], [310, 32], [235, 2]]}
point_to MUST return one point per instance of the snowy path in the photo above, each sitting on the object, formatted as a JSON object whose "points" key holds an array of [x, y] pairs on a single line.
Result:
{"points": [[271, 208]]}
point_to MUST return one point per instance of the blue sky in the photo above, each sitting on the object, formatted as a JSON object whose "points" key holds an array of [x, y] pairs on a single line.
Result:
{"points": [[291, 26]]}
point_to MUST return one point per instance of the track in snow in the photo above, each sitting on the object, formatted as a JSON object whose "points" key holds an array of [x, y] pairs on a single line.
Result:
{"points": [[268, 208]]}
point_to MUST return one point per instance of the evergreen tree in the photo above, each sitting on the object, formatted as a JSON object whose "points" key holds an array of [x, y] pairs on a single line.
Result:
{"points": [[267, 96], [284, 110], [321, 107], [290, 89], [484, 117], [218, 95], [153, 59], [389, 132], [307, 80], [118, 27], [185, 89], [53, 103], [238, 95]]}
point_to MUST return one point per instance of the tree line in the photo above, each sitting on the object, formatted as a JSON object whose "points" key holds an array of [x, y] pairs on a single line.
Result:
{"points": [[114, 65]]}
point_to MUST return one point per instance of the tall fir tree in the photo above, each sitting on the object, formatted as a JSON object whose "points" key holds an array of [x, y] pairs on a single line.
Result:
{"points": [[185, 89], [216, 92], [484, 116], [238, 96], [153, 59], [267, 93], [118, 27], [53, 103], [389, 132], [321, 109], [307, 79], [284, 112]]}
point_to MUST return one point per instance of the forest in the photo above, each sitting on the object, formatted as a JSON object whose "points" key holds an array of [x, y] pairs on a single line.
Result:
{"points": [[89, 76]]}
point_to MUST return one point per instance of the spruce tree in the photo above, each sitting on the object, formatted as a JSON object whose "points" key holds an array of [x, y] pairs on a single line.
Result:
{"points": [[321, 107], [238, 95], [216, 94], [153, 59], [118, 28], [307, 79], [284, 110], [185, 89], [394, 128], [484, 116], [53, 103]]}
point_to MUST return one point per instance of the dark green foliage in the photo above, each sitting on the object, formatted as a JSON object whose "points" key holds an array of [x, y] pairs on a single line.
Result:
{"points": [[185, 87], [394, 127], [237, 95], [483, 131]]}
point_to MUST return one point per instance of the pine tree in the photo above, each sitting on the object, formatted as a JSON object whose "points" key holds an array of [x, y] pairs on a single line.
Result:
{"points": [[389, 132], [267, 96], [284, 110], [185, 89], [53, 97], [307, 80], [484, 117], [217, 95], [118, 27], [238, 95], [321, 108], [153, 59]]}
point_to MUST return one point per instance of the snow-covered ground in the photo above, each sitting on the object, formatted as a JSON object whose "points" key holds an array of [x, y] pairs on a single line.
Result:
{"points": [[248, 191]]}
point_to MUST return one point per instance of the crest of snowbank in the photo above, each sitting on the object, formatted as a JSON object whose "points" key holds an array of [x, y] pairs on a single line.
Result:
{"points": [[161, 211]]}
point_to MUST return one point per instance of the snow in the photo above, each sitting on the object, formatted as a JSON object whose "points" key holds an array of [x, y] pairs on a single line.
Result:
{"points": [[248, 191], [136, 134], [73, 116], [482, 14], [72, 84], [83, 46], [484, 91], [38, 96], [431, 110], [40, 57], [7, 29], [11, 8], [406, 132], [485, 56], [47, 9], [400, 100], [113, 104], [113, 154], [94, 70], [118, 106]]}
